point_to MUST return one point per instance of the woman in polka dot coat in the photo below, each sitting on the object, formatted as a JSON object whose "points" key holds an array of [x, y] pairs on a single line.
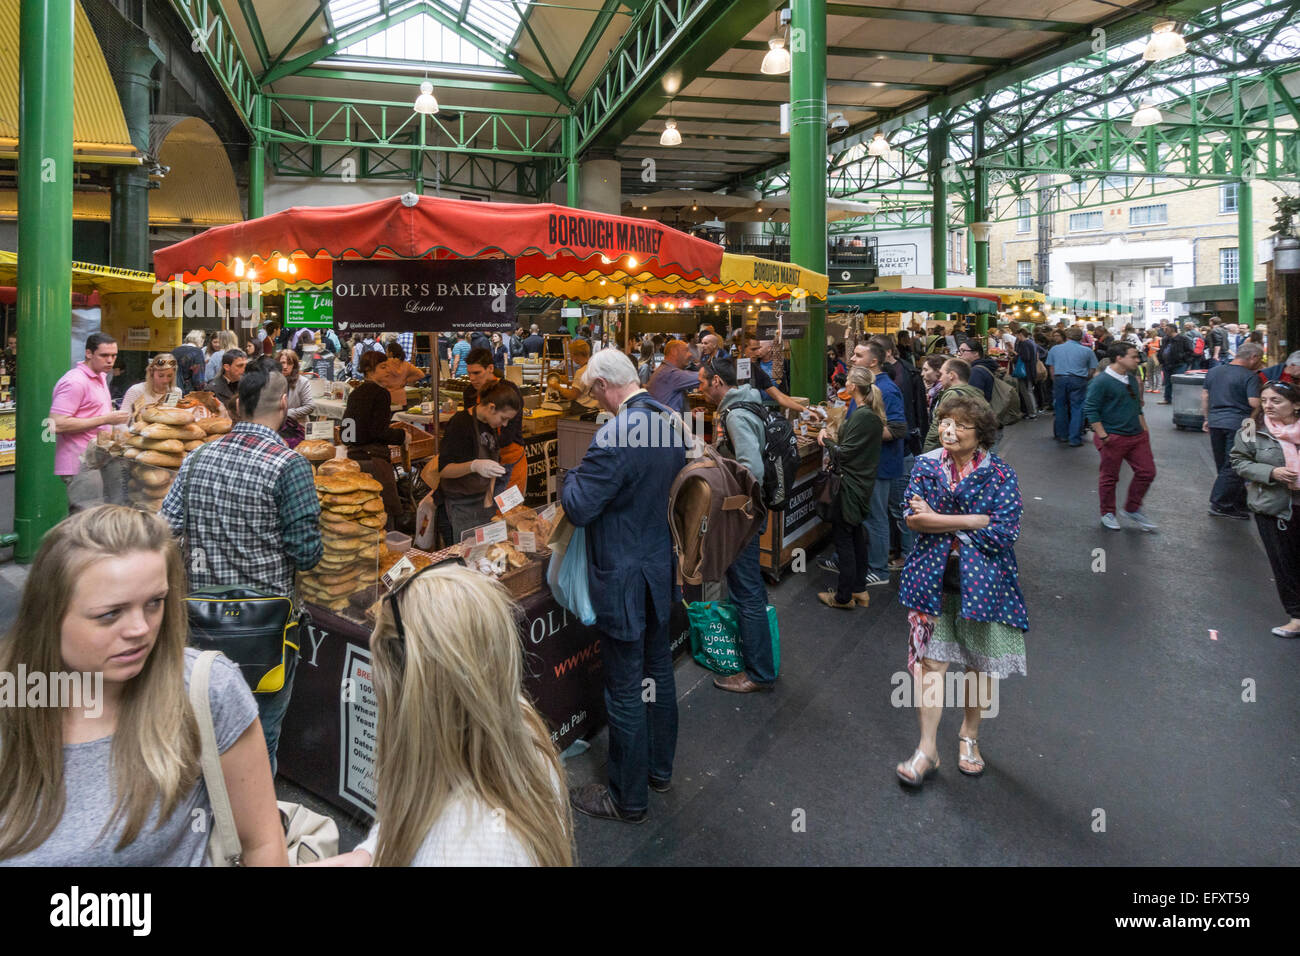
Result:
{"points": [[960, 583]]}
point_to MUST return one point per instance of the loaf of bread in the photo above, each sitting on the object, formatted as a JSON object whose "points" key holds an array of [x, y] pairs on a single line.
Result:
{"points": [[344, 483], [190, 445], [150, 477], [351, 498], [159, 458], [215, 425], [130, 452], [314, 450], [189, 432], [373, 506], [165, 415], [170, 446], [337, 466], [373, 521], [212, 438]]}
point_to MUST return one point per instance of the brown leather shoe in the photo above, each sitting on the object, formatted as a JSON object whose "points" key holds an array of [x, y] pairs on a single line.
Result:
{"points": [[828, 598], [594, 800], [739, 684], [861, 598]]}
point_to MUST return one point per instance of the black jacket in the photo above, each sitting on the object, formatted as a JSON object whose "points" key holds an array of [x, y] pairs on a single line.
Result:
{"points": [[982, 373], [370, 413]]}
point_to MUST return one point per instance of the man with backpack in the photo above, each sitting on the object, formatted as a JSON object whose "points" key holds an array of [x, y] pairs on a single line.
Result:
{"points": [[742, 436], [1219, 346], [1175, 357]]}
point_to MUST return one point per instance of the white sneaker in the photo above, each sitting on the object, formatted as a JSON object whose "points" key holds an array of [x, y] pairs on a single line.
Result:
{"points": [[1108, 520], [1142, 521]]}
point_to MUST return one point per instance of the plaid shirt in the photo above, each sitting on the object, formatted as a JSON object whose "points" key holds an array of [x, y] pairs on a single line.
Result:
{"points": [[254, 516], [407, 341]]}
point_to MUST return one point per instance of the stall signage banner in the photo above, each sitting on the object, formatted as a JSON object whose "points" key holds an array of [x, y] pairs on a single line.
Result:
{"points": [[308, 310], [800, 512], [358, 720], [424, 295]]}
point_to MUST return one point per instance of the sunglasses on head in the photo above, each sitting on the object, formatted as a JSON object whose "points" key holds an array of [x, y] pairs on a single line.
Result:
{"points": [[163, 361], [1278, 385], [392, 598]]}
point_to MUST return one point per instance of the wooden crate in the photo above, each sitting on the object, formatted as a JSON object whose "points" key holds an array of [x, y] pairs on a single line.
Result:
{"points": [[423, 445], [540, 422]]}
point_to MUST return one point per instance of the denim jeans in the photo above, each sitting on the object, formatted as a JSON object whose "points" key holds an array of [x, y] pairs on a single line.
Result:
{"points": [[271, 709], [1067, 401], [1229, 491], [749, 594], [642, 734], [1170, 372], [877, 528], [897, 491]]}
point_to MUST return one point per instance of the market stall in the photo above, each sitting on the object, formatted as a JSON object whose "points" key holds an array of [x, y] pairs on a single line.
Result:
{"points": [[431, 265]]}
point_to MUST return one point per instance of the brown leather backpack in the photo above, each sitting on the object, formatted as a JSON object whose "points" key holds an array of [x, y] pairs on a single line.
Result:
{"points": [[714, 508]]}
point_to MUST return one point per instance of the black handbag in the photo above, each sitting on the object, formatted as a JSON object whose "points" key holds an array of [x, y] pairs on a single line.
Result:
{"points": [[952, 574], [826, 492], [255, 628]]}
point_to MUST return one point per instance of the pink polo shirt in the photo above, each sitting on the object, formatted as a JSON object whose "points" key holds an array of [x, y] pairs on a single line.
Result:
{"points": [[81, 394]]}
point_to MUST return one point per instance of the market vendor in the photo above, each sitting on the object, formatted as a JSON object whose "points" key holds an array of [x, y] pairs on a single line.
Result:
{"points": [[758, 353], [510, 442], [159, 384], [395, 373], [471, 471], [367, 431], [578, 391]]}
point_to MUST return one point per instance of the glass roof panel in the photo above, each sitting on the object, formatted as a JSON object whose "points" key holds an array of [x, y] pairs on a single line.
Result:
{"points": [[421, 38]]}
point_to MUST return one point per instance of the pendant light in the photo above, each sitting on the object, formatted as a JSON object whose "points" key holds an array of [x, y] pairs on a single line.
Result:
{"points": [[1147, 115], [878, 148], [1165, 43], [425, 102], [776, 61], [670, 136]]}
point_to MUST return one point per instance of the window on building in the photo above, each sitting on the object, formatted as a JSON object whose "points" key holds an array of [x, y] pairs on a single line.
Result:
{"points": [[1024, 272], [1228, 266], [1023, 224], [1161, 277], [1156, 215], [1084, 221], [1228, 197]]}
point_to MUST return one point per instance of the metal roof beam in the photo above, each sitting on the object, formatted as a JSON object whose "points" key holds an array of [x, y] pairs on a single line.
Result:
{"points": [[951, 19], [594, 33], [296, 37], [830, 81], [960, 59], [363, 31], [255, 28], [207, 23], [396, 79]]}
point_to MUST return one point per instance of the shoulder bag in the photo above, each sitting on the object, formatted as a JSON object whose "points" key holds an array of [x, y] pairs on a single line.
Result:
{"points": [[826, 490], [308, 836], [255, 628]]}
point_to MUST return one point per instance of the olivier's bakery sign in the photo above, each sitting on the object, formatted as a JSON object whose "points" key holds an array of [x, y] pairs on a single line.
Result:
{"points": [[424, 295]]}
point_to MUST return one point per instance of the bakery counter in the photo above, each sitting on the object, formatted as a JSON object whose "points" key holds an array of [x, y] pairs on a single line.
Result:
{"points": [[327, 743]]}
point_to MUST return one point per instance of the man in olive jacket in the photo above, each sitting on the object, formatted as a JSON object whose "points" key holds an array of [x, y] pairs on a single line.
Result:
{"points": [[955, 378], [619, 494]]}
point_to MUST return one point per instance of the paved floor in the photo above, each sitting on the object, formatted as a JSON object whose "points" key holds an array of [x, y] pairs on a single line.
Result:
{"points": [[1132, 715]]}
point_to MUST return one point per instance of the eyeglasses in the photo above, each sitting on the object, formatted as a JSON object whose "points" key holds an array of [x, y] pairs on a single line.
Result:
{"points": [[960, 426]]}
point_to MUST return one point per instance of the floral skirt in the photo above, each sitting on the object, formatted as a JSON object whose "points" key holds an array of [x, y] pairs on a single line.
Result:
{"points": [[987, 646]]}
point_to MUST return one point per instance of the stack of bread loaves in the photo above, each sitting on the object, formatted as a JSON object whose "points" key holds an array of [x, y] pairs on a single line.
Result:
{"points": [[156, 444], [352, 527]]}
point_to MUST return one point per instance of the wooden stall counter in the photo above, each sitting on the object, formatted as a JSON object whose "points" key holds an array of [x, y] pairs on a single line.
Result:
{"points": [[798, 527]]}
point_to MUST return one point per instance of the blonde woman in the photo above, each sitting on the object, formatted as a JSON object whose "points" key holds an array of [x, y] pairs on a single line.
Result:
{"points": [[466, 772], [855, 453], [159, 382], [113, 779]]}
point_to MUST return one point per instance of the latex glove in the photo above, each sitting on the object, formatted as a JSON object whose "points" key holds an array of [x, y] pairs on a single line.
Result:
{"points": [[486, 468]]}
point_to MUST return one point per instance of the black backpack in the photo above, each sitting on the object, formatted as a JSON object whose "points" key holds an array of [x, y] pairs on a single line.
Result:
{"points": [[780, 453], [915, 406]]}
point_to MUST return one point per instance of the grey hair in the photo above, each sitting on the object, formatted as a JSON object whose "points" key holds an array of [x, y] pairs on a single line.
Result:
{"points": [[196, 337], [613, 366], [1292, 359], [1251, 350]]}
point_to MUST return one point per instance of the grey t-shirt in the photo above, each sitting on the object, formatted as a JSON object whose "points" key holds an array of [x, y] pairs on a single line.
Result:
{"points": [[1231, 388], [88, 782]]}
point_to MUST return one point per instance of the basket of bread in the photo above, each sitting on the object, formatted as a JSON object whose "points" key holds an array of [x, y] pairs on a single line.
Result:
{"points": [[352, 530], [158, 440]]}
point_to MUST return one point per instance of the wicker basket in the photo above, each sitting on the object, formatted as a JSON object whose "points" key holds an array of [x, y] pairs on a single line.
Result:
{"points": [[527, 580]]}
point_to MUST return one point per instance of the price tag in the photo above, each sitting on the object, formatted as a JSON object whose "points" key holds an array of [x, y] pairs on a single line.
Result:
{"points": [[548, 513], [524, 541], [397, 572], [4, 379], [320, 431], [512, 497], [742, 370], [171, 399], [494, 532]]}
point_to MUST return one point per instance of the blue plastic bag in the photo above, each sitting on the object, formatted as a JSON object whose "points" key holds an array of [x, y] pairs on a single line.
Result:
{"points": [[569, 584]]}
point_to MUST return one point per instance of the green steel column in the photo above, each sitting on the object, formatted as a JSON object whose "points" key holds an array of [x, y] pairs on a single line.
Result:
{"points": [[569, 146], [128, 243], [939, 211], [981, 177], [1246, 252], [257, 161], [45, 255], [808, 183]]}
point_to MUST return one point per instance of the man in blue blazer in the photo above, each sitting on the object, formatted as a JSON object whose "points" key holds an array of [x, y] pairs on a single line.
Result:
{"points": [[619, 493]]}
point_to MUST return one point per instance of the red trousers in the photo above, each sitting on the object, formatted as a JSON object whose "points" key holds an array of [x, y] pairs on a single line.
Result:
{"points": [[1136, 450]]}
